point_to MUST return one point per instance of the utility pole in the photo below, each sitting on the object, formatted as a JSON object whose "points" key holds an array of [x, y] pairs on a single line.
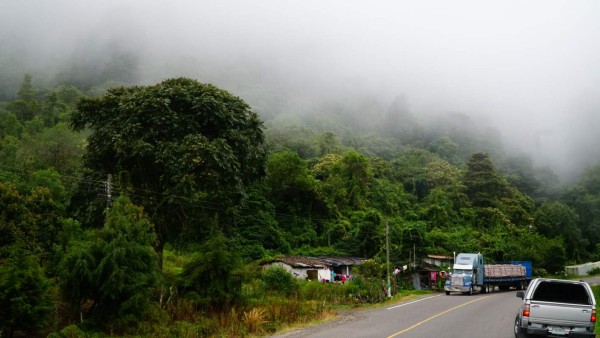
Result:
{"points": [[387, 249]]}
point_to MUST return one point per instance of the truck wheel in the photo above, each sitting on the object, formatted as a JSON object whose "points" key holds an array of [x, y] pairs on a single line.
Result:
{"points": [[471, 291], [447, 293], [518, 330]]}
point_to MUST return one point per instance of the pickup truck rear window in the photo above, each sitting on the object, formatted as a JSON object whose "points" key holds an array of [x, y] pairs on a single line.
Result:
{"points": [[562, 293]]}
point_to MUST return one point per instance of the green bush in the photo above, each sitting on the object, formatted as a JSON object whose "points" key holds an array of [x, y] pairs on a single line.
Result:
{"points": [[369, 290], [71, 331], [277, 278], [210, 276], [594, 271], [24, 292], [332, 293], [596, 290], [368, 285], [205, 327]]}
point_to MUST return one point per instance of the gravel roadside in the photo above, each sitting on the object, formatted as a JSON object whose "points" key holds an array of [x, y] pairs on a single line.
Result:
{"points": [[342, 316]]}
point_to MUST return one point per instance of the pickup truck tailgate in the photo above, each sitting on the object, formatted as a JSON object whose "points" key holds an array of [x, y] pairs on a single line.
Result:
{"points": [[560, 313]]}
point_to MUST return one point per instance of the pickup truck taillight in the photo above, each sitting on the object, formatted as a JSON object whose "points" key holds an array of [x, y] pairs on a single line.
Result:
{"points": [[526, 311], [593, 319]]}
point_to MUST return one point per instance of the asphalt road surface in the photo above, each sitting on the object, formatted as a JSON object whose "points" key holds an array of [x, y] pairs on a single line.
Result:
{"points": [[436, 315], [490, 315]]}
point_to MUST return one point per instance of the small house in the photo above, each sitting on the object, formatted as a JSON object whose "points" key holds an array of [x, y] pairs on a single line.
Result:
{"points": [[302, 267], [439, 260], [342, 265], [428, 274], [324, 269]]}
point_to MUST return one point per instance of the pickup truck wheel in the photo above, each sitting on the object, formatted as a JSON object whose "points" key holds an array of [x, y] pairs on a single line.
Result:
{"points": [[518, 330]]}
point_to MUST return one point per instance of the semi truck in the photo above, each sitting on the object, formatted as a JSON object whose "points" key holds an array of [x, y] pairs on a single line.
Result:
{"points": [[470, 274]]}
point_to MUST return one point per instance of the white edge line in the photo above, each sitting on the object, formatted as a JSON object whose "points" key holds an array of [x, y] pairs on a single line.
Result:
{"points": [[418, 300]]}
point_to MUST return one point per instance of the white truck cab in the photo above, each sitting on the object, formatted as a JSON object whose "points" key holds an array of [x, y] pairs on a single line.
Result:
{"points": [[556, 308]]}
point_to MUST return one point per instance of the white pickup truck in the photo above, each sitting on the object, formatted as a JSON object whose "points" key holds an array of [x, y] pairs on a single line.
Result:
{"points": [[556, 308]]}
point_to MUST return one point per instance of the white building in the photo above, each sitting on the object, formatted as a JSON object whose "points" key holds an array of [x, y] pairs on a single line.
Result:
{"points": [[323, 269], [581, 269]]}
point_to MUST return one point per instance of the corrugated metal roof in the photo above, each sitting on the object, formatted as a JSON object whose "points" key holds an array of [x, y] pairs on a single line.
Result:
{"points": [[302, 262], [338, 261], [439, 257], [318, 262]]}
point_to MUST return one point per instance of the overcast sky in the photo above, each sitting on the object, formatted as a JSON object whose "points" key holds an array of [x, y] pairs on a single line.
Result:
{"points": [[532, 66]]}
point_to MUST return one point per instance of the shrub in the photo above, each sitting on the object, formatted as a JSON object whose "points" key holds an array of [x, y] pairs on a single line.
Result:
{"points": [[114, 267], [368, 283], [369, 290], [24, 292], [277, 278], [594, 271], [254, 319], [70, 331], [211, 273], [332, 293]]}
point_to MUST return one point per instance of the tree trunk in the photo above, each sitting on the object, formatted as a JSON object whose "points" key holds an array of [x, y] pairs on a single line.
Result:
{"points": [[159, 248]]}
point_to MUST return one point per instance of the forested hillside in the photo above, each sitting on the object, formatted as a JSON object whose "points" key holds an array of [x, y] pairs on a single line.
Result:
{"points": [[115, 202]]}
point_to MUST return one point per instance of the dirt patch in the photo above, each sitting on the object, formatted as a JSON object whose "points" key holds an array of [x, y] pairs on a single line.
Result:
{"points": [[341, 317]]}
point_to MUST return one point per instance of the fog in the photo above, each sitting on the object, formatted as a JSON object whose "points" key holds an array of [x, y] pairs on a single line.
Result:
{"points": [[528, 68]]}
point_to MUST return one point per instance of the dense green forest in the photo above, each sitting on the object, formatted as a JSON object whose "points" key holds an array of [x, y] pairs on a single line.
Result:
{"points": [[156, 203]]}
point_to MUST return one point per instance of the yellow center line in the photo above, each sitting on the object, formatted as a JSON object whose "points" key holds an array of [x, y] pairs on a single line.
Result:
{"points": [[435, 316]]}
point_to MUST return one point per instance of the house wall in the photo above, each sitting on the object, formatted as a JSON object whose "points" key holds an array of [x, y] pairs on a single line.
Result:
{"points": [[344, 270], [302, 273], [582, 269], [438, 261], [325, 274]]}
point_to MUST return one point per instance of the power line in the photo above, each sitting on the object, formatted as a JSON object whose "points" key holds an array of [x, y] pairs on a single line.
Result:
{"points": [[108, 189]]}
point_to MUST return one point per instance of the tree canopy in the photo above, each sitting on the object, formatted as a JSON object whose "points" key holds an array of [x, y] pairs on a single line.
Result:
{"points": [[179, 147]]}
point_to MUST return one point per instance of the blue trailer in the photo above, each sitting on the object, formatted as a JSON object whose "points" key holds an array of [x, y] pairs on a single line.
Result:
{"points": [[470, 274]]}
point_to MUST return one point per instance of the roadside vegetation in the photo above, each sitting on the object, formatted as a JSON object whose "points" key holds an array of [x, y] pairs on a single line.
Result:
{"points": [[148, 210], [594, 271], [596, 289]]}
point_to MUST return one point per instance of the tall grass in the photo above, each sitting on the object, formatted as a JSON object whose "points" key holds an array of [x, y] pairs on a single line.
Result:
{"points": [[254, 319], [269, 301], [328, 293]]}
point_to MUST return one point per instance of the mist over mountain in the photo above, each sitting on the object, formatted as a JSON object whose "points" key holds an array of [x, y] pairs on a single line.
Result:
{"points": [[527, 72]]}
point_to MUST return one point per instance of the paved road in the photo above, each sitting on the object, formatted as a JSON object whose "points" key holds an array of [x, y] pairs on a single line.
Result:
{"points": [[592, 280], [483, 316]]}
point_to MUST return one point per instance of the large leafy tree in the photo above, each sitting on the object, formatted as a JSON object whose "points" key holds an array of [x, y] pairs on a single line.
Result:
{"points": [[410, 168], [15, 221], [112, 268], [26, 106], [210, 275], [25, 301], [56, 147], [186, 150], [292, 190], [555, 219], [484, 186], [256, 229]]}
